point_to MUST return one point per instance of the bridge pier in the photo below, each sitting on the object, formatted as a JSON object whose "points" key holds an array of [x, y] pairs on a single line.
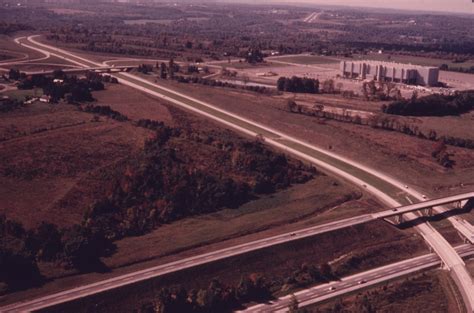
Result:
{"points": [[399, 219], [428, 212]]}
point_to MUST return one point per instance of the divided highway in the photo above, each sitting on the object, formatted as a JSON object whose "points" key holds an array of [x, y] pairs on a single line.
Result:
{"points": [[112, 283], [387, 189], [358, 281]]}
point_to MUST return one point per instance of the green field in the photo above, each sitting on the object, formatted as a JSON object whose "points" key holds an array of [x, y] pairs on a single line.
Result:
{"points": [[308, 59], [22, 94], [425, 61]]}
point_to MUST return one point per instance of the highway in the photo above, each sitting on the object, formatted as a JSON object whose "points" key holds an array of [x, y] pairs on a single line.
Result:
{"points": [[104, 285], [392, 192], [182, 264], [356, 282], [312, 17]]}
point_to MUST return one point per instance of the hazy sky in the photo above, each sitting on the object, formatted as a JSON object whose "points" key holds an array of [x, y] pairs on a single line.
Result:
{"points": [[462, 6]]}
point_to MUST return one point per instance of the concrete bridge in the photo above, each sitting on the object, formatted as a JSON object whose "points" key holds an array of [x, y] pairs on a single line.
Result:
{"points": [[99, 69], [461, 201]]}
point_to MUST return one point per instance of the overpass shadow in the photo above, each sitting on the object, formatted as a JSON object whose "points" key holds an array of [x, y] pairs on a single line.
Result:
{"points": [[438, 217]]}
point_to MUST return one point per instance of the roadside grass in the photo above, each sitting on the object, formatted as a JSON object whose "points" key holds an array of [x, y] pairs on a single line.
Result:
{"points": [[21, 95], [299, 203], [429, 291]]}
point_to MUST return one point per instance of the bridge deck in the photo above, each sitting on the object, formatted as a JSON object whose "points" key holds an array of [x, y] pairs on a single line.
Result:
{"points": [[424, 205]]}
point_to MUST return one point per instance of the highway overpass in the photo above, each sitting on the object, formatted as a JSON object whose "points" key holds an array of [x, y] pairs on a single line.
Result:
{"points": [[459, 199], [98, 69], [427, 208]]}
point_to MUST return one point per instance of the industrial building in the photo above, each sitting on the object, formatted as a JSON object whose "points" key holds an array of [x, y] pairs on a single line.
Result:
{"points": [[391, 72]]}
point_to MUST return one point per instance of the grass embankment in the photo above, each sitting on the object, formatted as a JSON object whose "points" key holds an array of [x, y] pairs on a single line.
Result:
{"points": [[426, 292]]}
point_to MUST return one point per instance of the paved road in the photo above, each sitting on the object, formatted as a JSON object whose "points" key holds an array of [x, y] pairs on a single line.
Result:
{"points": [[358, 281], [134, 277], [465, 228], [312, 17], [387, 189]]}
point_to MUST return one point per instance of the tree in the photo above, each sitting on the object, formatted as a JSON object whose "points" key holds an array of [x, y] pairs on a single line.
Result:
{"points": [[46, 241], [328, 86], [326, 271], [245, 79], [293, 304], [291, 105], [14, 74], [19, 270], [83, 248], [254, 56], [281, 83], [171, 68], [163, 71]]}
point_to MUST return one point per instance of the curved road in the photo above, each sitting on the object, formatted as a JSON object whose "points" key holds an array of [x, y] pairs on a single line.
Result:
{"points": [[390, 191]]}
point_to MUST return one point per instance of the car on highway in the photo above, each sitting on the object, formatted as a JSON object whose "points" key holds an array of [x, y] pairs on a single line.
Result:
{"points": [[360, 282], [332, 288], [293, 234]]}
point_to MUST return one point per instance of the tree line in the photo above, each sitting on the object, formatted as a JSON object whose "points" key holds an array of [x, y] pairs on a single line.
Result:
{"points": [[382, 122], [158, 186], [76, 247], [432, 105], [104, 110], [218, 297], [298, 84], [61, 86], [7, 105]]}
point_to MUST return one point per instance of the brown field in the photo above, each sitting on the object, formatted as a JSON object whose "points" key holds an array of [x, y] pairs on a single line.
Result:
{"points": [[134, 104], [431, 291], [53, 150]]}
